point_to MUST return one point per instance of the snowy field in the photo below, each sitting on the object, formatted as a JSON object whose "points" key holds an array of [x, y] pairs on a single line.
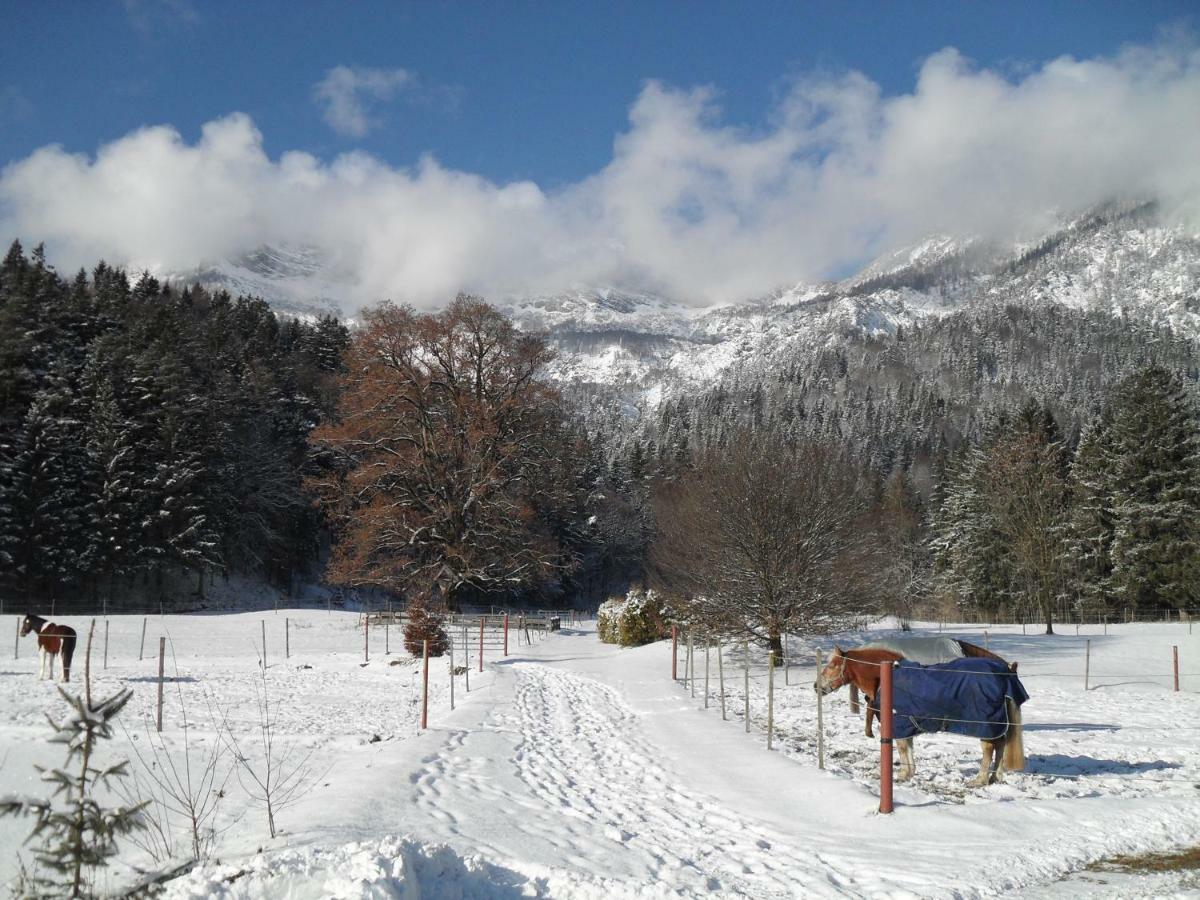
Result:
{"points": [[577, 769]]}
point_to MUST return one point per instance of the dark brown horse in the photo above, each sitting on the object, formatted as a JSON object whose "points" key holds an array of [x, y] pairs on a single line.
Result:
{"points": [[861, 668], [52, 640]]}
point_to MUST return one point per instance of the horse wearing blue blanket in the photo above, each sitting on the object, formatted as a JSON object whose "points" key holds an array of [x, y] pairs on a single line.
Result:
{"points": [[977, 697]]}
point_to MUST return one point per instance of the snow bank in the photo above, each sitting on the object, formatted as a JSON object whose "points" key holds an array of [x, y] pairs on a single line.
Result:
{"points": [[400, 867]]}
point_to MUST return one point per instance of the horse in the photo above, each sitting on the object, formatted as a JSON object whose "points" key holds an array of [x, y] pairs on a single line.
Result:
{"points": [[52, 639], [929, 651], [1000, 751]]}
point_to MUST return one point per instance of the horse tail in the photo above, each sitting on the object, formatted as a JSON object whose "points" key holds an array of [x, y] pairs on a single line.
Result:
{"points": [[68, 650], [1014, 745]]}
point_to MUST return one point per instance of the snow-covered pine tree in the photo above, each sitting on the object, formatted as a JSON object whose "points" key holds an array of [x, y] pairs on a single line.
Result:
{"points": [[1087, 548], [1156, 510], [75, 834]]}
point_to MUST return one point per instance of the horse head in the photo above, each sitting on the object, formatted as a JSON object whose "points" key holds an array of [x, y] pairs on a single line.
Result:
{"points": [[833, 676], [30, 623]]}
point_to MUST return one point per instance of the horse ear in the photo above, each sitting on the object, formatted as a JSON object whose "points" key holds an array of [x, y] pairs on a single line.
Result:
{"points": [[837, 650]]}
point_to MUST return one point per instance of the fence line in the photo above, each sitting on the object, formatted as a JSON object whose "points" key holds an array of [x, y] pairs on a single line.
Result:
{"points": [[118, 645]]}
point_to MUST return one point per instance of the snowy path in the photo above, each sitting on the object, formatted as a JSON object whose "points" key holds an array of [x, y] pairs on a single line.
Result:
{"points": [[587, 784]]}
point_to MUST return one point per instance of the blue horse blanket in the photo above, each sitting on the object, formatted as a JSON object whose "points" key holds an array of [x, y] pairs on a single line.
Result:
{"points": [[965, 696]]}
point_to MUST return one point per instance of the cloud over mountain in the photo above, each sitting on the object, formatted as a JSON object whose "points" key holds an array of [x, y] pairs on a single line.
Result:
{"points": [[688, 205]]}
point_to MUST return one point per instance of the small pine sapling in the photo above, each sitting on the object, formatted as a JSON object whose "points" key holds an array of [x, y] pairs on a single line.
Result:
{"points": [[76, 834]]}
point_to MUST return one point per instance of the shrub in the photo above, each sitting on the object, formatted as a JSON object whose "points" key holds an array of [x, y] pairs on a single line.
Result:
{"points": [[425, 624], [633, 620]]}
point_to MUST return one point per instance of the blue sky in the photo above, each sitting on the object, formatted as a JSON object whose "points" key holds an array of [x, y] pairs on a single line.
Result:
{"points": [[701, 149], [516, 90]]}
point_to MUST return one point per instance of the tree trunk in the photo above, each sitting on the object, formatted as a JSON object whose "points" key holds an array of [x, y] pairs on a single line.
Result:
{"points": [[1049, 609], [775, 644]]}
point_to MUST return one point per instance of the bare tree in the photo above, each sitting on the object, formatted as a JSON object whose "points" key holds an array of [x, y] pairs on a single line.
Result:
{"points": [[768, 537], [434, 461], [283, 773], [187, 790], [1027, 502]]}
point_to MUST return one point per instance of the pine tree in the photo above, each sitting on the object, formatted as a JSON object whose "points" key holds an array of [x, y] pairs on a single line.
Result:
{"points": [[1088, 545], [76, 834], [1156, 509]]}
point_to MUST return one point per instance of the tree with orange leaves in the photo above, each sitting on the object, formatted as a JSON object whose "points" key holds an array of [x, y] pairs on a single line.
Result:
{"points": [[433, 466]]}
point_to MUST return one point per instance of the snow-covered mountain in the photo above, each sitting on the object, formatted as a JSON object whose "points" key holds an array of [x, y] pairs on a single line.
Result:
{"points": [[1118, 259]]}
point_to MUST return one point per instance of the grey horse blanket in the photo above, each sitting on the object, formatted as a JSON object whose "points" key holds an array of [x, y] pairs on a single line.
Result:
{"points": [[928, 651], [965, 697]]}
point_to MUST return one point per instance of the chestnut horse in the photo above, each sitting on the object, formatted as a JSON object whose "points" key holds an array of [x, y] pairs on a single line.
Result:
{"points": [[966, 648], [52, 640], [861, 668]]}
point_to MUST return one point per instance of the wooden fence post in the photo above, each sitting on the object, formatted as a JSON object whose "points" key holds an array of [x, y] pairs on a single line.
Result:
{"points": [[142, 646], [855, 709], [706, 682], [985, 639], [506, 634], [106, 643], [387, 635], [162, 655], [1087, 662], [287, 638], [787, 661], [820, 720], [481, 620], [770, 697], [17, 640], [691, 665], [366, 638], [451, 674], [1175, 663], [264, 642], [425, 684], [885, 738], [746, 673], [466, 658], [721, 678], [674, 652]]}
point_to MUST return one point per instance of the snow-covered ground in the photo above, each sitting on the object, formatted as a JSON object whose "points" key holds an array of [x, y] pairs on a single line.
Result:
{"points": [[576, 769]]}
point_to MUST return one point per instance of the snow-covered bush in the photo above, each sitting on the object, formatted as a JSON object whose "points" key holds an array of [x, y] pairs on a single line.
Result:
{"points": [[635, 619]]}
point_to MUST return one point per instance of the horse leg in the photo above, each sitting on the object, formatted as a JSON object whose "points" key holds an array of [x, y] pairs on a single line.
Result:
{"points": [[42, 660], [985, 766], [870, 713], [908, 766]]}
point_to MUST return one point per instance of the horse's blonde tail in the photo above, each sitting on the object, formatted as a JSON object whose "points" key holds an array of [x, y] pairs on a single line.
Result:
{"points": [[1014, 745]]}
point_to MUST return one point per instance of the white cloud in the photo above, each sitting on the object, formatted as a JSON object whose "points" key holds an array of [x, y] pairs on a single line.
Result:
{"points": [[687, 205], [344, 95]]}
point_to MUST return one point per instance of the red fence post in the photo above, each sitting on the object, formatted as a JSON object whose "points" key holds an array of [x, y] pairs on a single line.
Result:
{"points": [[1175, 660], [425, 686], [506, 634], [674, 652], [885, 738], [481, 621]]}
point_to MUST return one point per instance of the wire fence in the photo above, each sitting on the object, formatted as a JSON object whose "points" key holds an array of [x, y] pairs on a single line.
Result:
{"points": [[135, 648], [693, 648]]}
